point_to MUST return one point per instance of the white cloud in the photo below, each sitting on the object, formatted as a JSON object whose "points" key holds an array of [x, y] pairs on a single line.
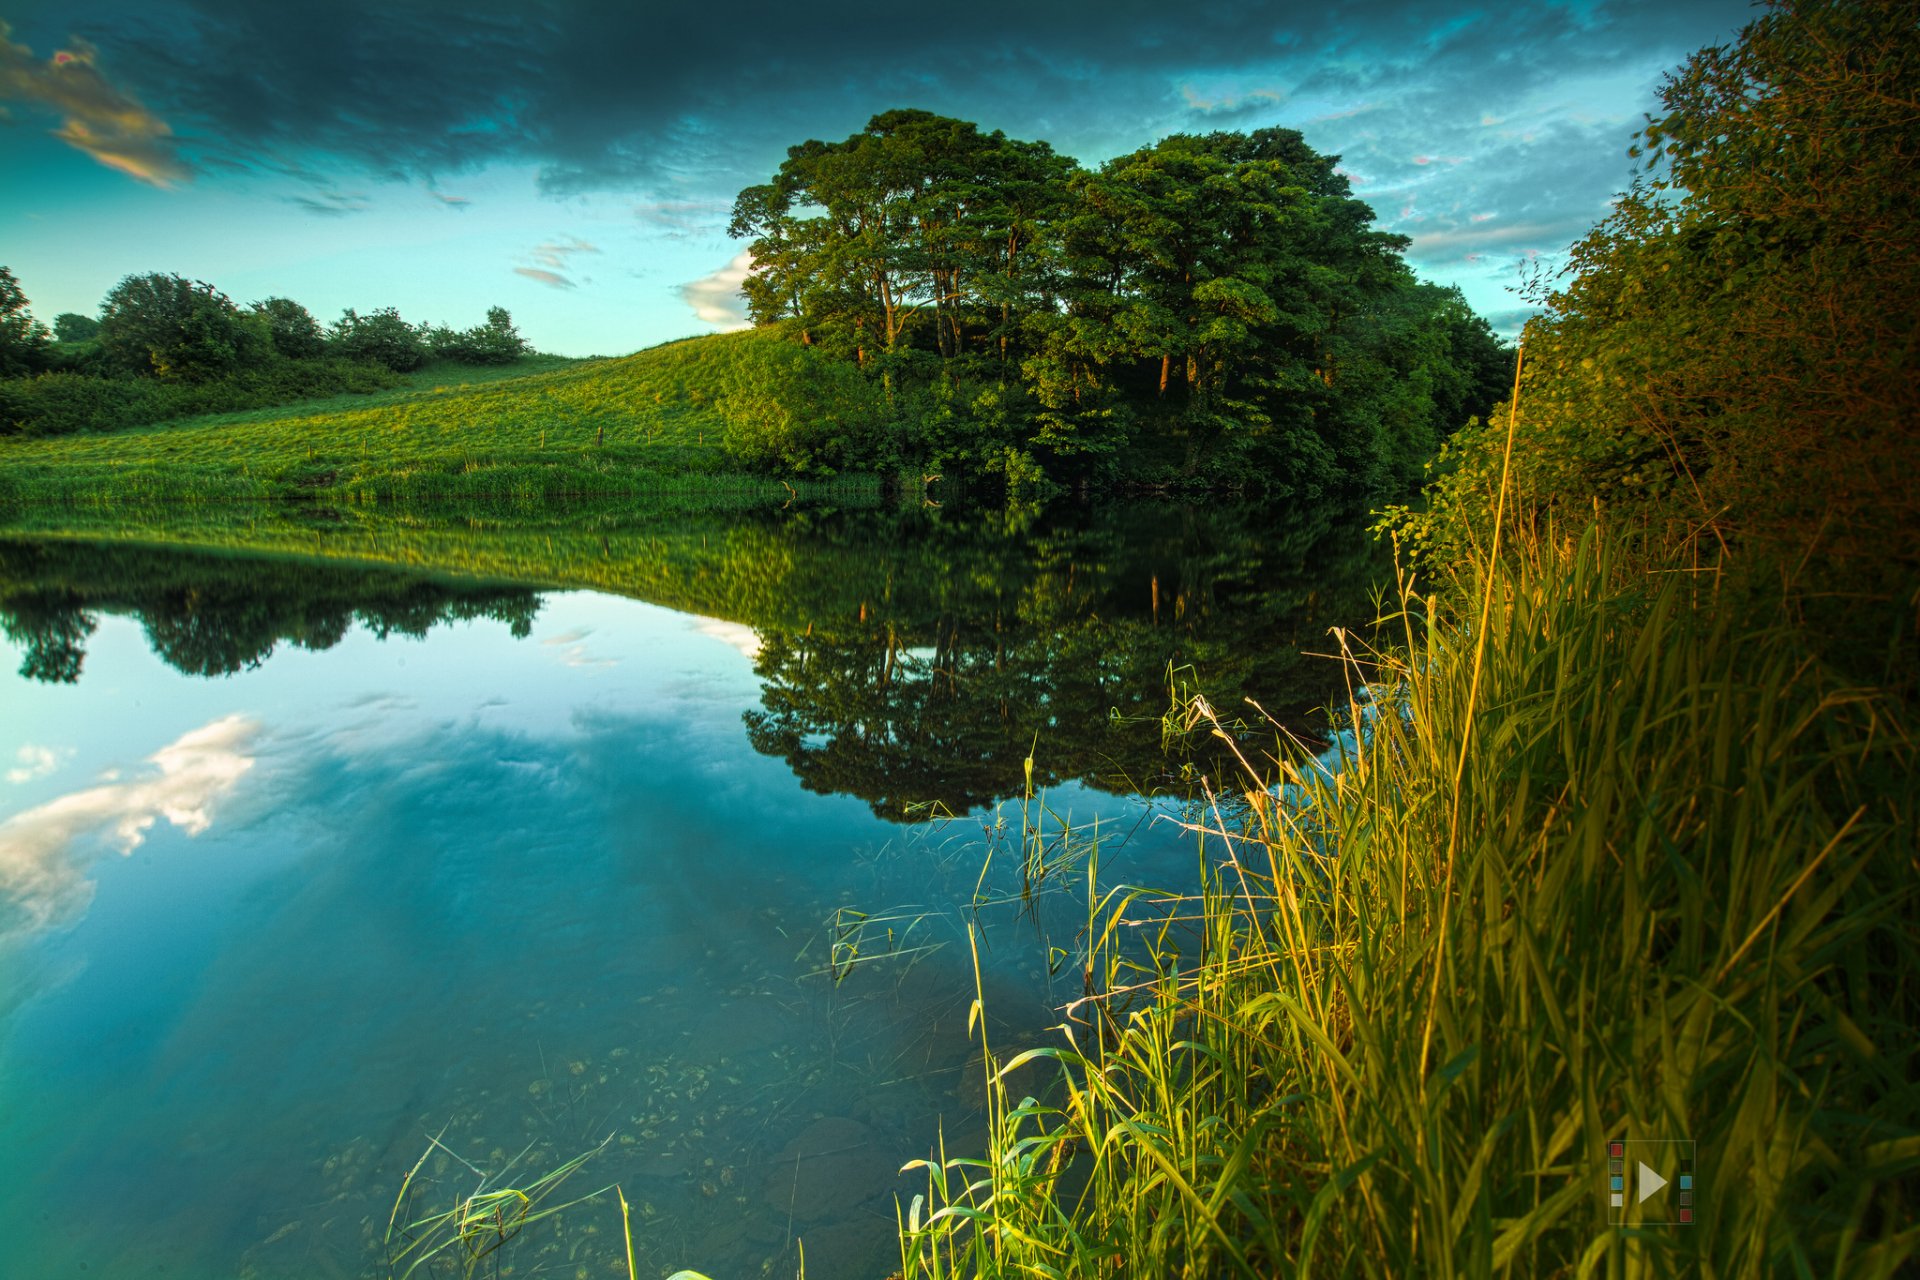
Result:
{"points": [[550, 261], [42, 864], [716, 298]]}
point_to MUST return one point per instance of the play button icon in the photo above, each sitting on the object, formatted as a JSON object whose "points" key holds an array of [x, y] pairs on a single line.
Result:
{"points": [[1650, 1182]]}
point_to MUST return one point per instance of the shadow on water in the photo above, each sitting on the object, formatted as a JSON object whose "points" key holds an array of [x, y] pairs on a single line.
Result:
{"points": [[633, 927]]}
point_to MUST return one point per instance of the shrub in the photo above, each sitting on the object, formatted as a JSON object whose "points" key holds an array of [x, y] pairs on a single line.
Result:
{"points": [[381, 337]]}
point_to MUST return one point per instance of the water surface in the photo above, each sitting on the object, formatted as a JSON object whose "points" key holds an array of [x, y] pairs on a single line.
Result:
{"points": [[307, 859]]}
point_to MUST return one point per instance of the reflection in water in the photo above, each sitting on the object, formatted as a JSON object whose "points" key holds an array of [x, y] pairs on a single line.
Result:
{"points": [[43, 851], [214, 616], [912, 658], [530, 895]]}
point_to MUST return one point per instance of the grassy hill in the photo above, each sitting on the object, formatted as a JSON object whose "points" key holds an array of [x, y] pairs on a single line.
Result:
{"points": [[647, 422]]}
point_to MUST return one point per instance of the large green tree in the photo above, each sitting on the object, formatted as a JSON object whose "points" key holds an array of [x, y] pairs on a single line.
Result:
{"points": [[1227, 275], [1217, 306], [919, 226]]}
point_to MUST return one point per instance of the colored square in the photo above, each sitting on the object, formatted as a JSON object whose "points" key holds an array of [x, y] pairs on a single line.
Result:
{"points": [[1617, 1199], [1686, 1181], [1619, 1183], [1686, 1215], [1616, 1149], [1616, 1166], [1686, 1197]]}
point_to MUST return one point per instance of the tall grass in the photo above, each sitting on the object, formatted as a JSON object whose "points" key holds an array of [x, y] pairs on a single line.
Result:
{"points": [[1680, 904]]}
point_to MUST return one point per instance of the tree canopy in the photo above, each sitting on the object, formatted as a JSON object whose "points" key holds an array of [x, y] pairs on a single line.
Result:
{"points": [[1731, 355], [1207, 302]]}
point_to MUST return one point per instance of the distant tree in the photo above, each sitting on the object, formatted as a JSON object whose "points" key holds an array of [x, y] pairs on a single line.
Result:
{"points": [[23, 340], [166, 326], [495, 342], [292, 329], [379, 337], [70, 326]]}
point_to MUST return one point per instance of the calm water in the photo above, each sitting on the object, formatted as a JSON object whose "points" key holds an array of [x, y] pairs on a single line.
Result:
{"points": [[305, 863]]}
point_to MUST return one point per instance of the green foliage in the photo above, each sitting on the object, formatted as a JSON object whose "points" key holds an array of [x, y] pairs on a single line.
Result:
{"points": [[62, 402], [1202, 308], [23, 340], [380, 337], [292, 329], [1732, 358], [495, 342], [70, 326], [178, 330], [1604, 867]]}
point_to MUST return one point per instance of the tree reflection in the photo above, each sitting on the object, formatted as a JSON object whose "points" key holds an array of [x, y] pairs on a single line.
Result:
{"points": [[907, 657], [1061, 644], [209, 615]]}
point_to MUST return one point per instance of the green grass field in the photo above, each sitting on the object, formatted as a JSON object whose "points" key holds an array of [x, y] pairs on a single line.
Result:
{"points": [[641, 423]]}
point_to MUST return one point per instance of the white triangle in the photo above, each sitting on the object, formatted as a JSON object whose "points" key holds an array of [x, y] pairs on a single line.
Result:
{"points": [[1650, 1183]]}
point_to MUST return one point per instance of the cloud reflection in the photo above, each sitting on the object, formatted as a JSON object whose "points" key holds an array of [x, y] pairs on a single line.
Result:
{"points": [[37, 762], [43, 863]]}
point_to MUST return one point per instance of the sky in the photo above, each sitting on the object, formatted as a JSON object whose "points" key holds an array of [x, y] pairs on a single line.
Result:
{"points": [[576, 162]]}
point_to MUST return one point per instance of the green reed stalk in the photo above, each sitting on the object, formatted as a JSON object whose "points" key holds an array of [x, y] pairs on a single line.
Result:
{"points": [[1681, 905]]}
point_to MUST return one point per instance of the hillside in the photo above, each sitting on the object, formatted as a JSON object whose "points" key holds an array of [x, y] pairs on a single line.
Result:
{"points": [[643, 422]]}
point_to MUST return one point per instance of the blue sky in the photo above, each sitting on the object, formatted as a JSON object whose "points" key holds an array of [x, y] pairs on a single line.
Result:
{"points": [[575, 162]]}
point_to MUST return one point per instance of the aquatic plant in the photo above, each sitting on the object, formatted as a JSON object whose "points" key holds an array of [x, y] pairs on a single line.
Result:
{"points": [[467, 1235]]}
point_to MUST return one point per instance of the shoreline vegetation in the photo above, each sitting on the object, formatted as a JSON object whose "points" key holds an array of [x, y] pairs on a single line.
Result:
{"points": [[1638, 860]]}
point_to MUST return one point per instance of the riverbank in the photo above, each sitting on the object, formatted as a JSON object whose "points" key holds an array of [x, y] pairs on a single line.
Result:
{"points": [[1569, 900]]}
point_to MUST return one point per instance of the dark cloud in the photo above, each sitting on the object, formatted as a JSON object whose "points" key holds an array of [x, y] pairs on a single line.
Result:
{"points": [[609, 94]]}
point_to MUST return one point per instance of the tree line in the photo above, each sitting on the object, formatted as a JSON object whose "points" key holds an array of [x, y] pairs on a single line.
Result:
{"points": [[1209, 306], [164, 345]]}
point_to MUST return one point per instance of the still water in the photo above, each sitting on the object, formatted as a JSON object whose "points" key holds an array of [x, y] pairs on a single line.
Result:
{"points": [[324, 850]]}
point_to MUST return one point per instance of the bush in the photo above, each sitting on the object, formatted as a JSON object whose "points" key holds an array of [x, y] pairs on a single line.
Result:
{"points": [[291, 327], [794, 409], [495, 342], [380, 337], [169, 327], [62, 402], [70, 326]]}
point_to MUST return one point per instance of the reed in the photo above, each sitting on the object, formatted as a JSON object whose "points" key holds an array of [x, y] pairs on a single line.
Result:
{"points": [[1679, 904], [466, 1237]]}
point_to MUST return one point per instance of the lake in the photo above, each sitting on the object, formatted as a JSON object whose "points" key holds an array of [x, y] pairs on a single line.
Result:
{"points": [[335, 846]]}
